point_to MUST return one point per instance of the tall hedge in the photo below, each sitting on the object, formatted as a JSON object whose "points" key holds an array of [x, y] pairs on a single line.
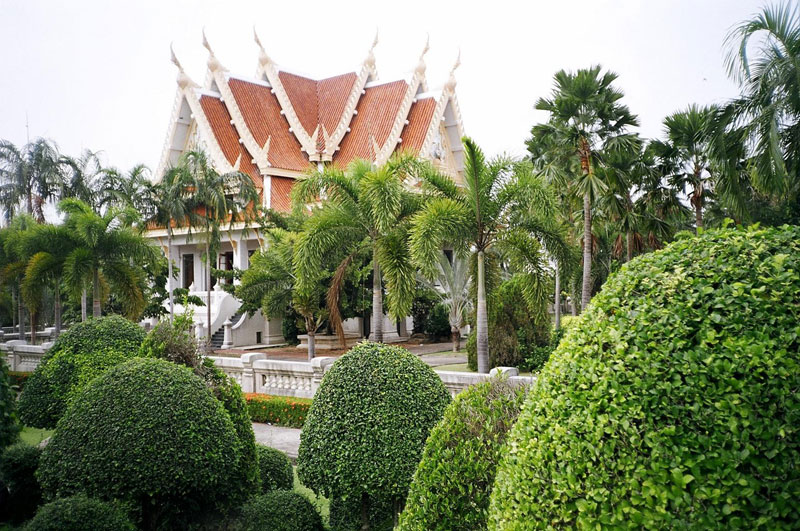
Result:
{"points": [[81, 353], [454, 479], [674, 401], [150, 433], [368, 423], [9, 427]]}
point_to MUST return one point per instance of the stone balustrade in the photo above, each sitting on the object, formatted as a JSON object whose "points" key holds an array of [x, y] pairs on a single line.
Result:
{"points": [[23, 357]]}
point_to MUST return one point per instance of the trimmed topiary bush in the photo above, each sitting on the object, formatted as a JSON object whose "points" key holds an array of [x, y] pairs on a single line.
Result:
{"points": [[18, 466], [148, 432], [368, 423], [275, 469], [280, 510], [454, 479], [345, 514], [80, 354], [79, 513], [674, 403], [9, 427]]}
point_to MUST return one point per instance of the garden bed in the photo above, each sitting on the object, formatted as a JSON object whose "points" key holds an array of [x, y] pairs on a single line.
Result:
{"points": [[277, 410]]}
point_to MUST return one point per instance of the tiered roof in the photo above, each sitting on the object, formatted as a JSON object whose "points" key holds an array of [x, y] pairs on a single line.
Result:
{"points": [[279, 124]]}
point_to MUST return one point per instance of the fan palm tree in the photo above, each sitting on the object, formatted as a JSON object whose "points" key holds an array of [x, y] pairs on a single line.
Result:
{"points": [[586, 118], [368, 206], [218, 199], [453, 277], [769, 108], [502, 205], [30, 175], [108, 252]]}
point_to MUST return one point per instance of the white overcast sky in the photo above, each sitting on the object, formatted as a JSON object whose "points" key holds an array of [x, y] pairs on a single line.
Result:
{"points": [[97, 74]]}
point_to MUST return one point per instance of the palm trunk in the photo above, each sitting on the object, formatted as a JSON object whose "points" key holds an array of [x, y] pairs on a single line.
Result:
{"points": [[482, 324], [20, 314], [312, 342], [33, 327], [377, 299], [557, 299], [574, 306], [57, 307], [628, 246], [208, 293], [698, 215], [83, 304], [455, 334], [169, 275], [97, 309], [586, 291]]}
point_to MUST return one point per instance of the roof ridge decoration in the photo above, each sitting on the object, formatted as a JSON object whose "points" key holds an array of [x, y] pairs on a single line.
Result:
{"points": [[417, 80], [368, 71], [448, 95], [267, 67], [218, 74]]}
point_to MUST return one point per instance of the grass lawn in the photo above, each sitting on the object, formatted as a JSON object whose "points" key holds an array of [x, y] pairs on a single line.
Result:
{"points": [[34, 436], [321, 503]]}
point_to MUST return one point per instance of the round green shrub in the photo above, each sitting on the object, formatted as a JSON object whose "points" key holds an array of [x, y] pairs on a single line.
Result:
{"points": [[673, 403], [276, 469], [345, 514], [79, 513], [280, 510], [148, 432], [454, 479], [81, 353], [9, 427], [514, 327], [18, 464], [368, 424]]}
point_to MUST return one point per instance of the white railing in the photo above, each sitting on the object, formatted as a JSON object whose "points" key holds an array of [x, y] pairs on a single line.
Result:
{"points": [[22, 357]]}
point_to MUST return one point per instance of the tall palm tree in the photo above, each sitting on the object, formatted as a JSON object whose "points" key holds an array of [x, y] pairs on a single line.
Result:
{"points": [[501, 204], [109, 252], [586, 118], [80, 177], [14, 259], [364, 205], [453, 277], [768, 110], [218, 199], [29, 175]]}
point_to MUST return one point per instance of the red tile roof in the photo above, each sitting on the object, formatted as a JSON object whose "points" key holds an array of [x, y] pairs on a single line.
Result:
{"points": [[280, 198], [419, 121], [376, 112], [227, 137], [318, 102]]}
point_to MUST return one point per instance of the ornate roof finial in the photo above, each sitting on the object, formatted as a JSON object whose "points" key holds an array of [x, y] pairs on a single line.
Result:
{"points": [[263, 58], [421, 64], [183, 80], [370, 60], [213, 62], [451, 82]]}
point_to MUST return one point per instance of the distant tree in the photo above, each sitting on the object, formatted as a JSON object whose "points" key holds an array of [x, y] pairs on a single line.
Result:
{"points": [[29, 175]]}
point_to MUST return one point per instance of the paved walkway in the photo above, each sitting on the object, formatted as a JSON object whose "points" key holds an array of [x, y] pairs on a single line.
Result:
{"points": [[284, 439]]}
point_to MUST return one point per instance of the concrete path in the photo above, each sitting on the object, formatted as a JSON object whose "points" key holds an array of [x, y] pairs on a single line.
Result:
{"points": [[284, 439]]}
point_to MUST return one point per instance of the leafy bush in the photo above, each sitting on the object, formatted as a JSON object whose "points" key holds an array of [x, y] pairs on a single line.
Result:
{"points": [[438, 323], [275, 468], [18, 379], [172, 342], [424, 300], [78, 513], [673, 403], [9, 427], [368, 424], [278, 410], [18, 465], [345, 514], [454, 479], [513, 327], [81, 353], [280, 510], [148, 432], [535, 356]]}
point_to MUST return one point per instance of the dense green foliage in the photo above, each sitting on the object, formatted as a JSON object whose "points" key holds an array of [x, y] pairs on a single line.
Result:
{"points": [[345, 514], [280, 510], [172, 342], [79, 513], [515, 328], [79, 354], [148, 432], [18, 464], [275, 468], [9, 427], [368, 423], [438, 323], [454, 479], [278, 410], [673, 403]]}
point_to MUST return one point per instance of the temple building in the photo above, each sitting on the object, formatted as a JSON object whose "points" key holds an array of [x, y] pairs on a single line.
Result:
{"points": [[276, 126]]}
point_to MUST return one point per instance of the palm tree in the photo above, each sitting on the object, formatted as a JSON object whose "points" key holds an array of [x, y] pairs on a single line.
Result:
{"points": [[453, 277], [14, 259], [768, 110], [586, 118], [30, 175], [501, 203], [217, 199], [364, 206], [108, 252], [80, 178]]}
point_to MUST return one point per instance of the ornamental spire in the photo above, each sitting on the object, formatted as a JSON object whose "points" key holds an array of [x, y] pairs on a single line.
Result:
{"points": [[451, 82], [263, 58], [370, 60], [213, 62], [421, 64], [183, 79]]}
